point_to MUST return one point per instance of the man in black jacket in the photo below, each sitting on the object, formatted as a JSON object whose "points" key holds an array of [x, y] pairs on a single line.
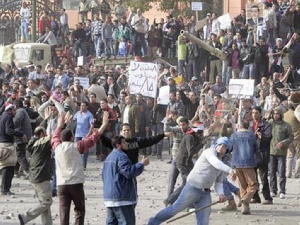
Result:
{"points": [[39, 148], [8, 155], [261, 60], [263, 132], [134, 143]]}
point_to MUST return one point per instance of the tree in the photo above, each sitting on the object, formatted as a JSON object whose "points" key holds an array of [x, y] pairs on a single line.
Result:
{"points": [[144, 5]]}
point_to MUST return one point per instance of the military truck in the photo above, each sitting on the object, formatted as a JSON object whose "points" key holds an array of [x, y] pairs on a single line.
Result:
{"points": [[22, 54]]}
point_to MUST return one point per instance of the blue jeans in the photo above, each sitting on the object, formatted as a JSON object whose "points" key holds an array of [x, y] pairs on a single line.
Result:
{"points": [[189, 195], [84, 156], [248, 71], [108, 44], [229, 188], [181, 68], [24, 31], [122, 215], [97, 45]]}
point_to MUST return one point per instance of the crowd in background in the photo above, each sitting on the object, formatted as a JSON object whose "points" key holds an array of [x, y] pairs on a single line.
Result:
{"points": [[264, 48]]}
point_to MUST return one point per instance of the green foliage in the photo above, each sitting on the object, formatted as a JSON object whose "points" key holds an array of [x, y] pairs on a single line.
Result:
{"points": [[144, 5], [170, 6]]}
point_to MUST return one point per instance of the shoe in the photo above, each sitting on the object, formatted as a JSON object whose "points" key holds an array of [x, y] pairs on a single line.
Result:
{"points": [[255, 201], [230, 207], [21, 219], [267, 202], [169, 162], [282, 196], [9, 193], [245, 208], [238, 194], [273, 194]]}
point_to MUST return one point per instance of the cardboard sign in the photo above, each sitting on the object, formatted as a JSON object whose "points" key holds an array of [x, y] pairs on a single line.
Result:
{"points": [[84, 81], [164, 95], [80, 61], [143, 78], [225, 21], [197, 6], [241, 87]]}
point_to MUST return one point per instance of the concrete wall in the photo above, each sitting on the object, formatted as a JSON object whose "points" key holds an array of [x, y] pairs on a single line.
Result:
{"points": [[233, 7]]}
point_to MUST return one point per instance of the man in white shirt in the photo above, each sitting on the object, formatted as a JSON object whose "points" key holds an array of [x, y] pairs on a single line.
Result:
{"points": [[25, 16], [64, 21], [139, 24]]}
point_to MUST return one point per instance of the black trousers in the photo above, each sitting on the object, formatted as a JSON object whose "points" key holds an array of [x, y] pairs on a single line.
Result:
{"points": [[263, 174], [7, 176], [21, 154], [67, 194]]}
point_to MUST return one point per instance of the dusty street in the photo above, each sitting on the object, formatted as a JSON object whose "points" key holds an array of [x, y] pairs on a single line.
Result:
{"points": [[152, 186]]}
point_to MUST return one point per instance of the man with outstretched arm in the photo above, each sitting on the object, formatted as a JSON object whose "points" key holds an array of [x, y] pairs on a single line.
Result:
{"points": [[69, 169]]}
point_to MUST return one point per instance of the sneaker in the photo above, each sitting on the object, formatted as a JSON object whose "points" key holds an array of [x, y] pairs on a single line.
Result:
{"points": [[267, 202], [282, 196], [21, 219], [273, 194]]}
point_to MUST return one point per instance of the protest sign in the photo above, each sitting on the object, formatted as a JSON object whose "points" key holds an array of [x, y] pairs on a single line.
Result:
{"points": [[225, 21], [84, 81], [197, 6], [143, 78], [254, 10], [163, 97], [80, 61], [241, 87]]}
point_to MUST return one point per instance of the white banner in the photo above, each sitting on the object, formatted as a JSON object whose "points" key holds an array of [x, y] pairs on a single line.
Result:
{"points": [[84, 81], [143, 78], [197, 6], [164, 95], [241, 87], [225, 21]]}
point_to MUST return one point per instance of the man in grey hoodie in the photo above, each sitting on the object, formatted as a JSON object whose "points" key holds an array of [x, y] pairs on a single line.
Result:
{"points": [[208, 170]]}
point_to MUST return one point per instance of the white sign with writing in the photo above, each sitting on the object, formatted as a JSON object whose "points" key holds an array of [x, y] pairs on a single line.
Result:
{"points": [[143, 78], [164, 95], [241, 87], [80, 61], [225, 21], [84, 81], [197, 6]]}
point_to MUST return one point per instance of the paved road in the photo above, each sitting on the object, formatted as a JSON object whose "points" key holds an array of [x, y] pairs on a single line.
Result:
{"points": [[152, 190]]}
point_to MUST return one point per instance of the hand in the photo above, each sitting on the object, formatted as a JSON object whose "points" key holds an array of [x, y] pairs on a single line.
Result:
{"points": [[279, 145], [145, 161], [222, 198], [233, 175], [258, 133], [68, 117], [48, 113]]}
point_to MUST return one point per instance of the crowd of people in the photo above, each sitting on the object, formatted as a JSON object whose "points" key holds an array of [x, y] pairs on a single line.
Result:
{"points": [[49, 119]]}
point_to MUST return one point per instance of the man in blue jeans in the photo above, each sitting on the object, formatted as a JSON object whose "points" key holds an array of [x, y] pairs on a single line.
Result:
{"points": [[84, 120], [119, 185], [209, 169]]}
